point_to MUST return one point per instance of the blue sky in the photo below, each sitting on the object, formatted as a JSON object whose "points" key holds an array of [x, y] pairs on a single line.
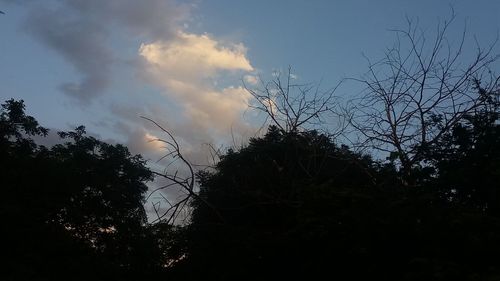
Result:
{"points": [[319, 39], [103, 63]]}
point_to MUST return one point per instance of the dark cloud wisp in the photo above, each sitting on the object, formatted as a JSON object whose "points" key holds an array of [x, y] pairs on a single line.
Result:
{"points": [[86, 34]]}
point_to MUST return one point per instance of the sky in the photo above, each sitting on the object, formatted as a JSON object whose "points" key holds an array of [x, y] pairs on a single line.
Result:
{"points": [[105, 63]]}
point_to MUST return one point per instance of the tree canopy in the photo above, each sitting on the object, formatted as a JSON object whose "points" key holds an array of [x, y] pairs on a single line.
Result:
{"points": [[296, 205], [74, 210], [290, 204]]}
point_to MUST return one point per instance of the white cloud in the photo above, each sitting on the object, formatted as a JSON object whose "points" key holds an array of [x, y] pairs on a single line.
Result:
{"points": [[187, 68], [194, 56]]}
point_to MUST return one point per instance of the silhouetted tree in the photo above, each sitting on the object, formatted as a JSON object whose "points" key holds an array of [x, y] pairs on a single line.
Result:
{"points": [[265, 195], [72, 211], [295, 205], [467, 157]]}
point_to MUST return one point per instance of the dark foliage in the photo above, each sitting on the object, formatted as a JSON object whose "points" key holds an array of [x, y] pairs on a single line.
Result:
{"points": [[293, 205], [290, 205], [468, 157], [74, 211]]}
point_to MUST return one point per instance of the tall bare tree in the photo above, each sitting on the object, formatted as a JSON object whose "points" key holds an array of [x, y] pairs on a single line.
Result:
{"points": [[419, 90]]}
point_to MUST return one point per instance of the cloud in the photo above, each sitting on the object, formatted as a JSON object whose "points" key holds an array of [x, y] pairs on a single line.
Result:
{"points": [[80, 43], [188, 66], [191, 56], [91, 35], [197, 75], [151, 19], [153, 142], [51, 139], [143, 141], [251, 79], [86, 33]]}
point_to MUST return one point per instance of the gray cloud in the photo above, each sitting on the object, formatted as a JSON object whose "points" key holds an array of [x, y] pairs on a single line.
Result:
{"points": [[50, 140], [86, 32], [157, 19], [81, 43]]}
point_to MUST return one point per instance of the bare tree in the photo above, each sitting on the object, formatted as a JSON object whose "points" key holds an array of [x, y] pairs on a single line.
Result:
{"points": [[180, 176], [418, 91], [291, 106]]}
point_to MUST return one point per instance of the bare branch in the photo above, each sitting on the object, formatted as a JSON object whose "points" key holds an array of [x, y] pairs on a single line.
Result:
{"points": [[185, 184], [418, 91], [291, 106]]}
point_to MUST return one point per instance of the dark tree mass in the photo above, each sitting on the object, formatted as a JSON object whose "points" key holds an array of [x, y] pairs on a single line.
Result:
{"points": [[291, 204], [72, 211], [417, 199], [297, 206]]}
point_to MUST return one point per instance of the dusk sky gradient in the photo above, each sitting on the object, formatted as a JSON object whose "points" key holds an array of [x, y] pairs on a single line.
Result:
{"points": [[103, 63]]}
